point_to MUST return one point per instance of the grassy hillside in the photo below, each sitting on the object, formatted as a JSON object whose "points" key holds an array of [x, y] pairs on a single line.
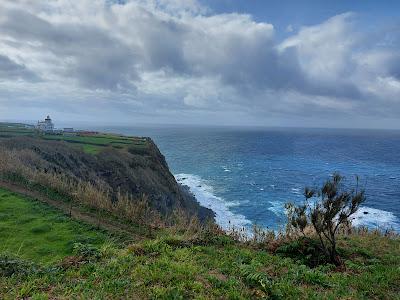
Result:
{"points": [[90, 143], [38, 261], [8, 130], [113, 166], [94, 144], [34, 231]]}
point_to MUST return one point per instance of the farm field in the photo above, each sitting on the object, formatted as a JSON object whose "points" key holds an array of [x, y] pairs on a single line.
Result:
{"points": [[90, 143], [14, 129]]}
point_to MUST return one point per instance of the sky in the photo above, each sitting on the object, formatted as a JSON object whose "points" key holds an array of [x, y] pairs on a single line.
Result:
{"points": [[304, 63]]}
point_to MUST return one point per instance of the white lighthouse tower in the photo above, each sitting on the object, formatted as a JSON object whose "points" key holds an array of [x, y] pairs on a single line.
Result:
{"points": [[46, 125]]}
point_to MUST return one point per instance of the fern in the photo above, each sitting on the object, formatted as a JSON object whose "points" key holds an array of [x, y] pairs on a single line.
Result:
{"points": [[255, 277]]}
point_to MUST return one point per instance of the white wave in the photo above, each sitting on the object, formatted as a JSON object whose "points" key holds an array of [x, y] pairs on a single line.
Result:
{"points": [[372, 217], [296, 191], [365, 216], [277, 207], [205, 195], [226, 169]]}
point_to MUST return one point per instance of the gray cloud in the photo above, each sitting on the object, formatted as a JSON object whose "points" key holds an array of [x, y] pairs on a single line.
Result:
{"points": [[11, 70], [88, 54], [163, 57]]}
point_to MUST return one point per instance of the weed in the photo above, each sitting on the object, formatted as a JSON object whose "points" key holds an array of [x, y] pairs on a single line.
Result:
{"points": [[15, 266]]}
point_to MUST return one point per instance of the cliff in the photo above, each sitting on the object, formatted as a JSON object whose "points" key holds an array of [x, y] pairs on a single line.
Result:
{"points": [[135, 169]]}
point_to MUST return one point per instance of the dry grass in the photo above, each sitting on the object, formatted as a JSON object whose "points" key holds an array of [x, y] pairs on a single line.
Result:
{"points": [[26, 168]]}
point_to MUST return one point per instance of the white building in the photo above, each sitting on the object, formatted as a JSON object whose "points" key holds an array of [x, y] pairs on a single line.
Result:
{"points": [[46, 125]]}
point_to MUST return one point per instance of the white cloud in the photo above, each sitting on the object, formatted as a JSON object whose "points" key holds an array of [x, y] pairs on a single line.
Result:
{"points": [[162, 57], [325, 50]]}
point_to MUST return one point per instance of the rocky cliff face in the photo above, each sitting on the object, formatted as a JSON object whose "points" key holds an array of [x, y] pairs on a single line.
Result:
{"points": [[129, 170]]}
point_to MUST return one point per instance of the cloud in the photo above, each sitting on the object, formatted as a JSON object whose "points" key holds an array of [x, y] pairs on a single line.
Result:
{"points": [[10, 70], [171, 57]]}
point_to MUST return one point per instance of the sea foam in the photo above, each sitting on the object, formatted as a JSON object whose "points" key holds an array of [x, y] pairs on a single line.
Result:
{"points": [[365, 216], [204, 193], [375, 218]]}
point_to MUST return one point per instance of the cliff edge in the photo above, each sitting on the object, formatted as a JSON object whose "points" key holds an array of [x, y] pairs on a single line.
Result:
{"points": [[134, 169]]}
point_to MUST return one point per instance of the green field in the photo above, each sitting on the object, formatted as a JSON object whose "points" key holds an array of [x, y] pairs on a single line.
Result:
{"points": [[94, 144], [14, 129], [35, 231], [91, 144], [173, 266]]}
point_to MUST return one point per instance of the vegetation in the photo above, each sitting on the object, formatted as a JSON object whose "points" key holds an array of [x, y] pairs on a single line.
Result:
{"points": [[88, 231], [93, 144], [34, 231], [329, 215], [8, 130], [182, 263], [115, 180], [90, 143]]}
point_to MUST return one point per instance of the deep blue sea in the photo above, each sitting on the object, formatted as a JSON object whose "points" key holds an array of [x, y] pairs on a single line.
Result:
{"points": [[247, 175]]}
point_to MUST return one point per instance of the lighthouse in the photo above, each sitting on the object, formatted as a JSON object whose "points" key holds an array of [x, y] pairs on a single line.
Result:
{"points": [[46, 125]]}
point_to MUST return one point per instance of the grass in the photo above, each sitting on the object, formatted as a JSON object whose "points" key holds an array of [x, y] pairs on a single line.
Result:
{"points": [[169, 267], [8, 130], [92, 144], [34, 231], [157, 269], [92, 149]]}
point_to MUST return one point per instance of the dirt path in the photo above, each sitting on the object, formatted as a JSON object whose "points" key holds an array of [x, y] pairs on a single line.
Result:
{"points": [[114, 227]]}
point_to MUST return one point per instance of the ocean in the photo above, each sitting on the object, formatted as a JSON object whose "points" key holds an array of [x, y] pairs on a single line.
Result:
{"points": [[246, 175]]}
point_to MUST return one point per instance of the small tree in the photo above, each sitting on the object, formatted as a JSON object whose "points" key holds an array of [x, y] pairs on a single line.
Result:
{"points": [[326, 216]]}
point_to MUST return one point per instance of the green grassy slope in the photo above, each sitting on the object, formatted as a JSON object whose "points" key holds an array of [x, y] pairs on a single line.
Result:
{"points": [[34, 231], [92, 144], [14, 129], [173, 266]]}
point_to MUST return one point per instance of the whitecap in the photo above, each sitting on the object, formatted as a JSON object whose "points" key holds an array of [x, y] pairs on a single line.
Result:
{"points": [[296, 191], [375, 218], [226, 169], [365, 216], [204, 194], [277, 207]]}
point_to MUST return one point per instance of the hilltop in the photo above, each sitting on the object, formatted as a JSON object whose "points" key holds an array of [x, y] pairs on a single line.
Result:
{"points": [[115, 165]]}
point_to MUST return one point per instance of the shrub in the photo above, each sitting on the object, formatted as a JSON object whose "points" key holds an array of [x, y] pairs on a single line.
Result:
{"points": [[328, 215], [304, 250], [41, 229], [10, 266], [86, 251]]}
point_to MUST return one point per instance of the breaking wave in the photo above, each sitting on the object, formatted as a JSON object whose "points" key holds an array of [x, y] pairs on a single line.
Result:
{"points": [[204, 194]]}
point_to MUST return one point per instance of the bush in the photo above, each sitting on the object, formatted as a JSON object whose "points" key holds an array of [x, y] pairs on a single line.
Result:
{"points": [[86, 251], [10, 266], [328, 215], [305, 250]]}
